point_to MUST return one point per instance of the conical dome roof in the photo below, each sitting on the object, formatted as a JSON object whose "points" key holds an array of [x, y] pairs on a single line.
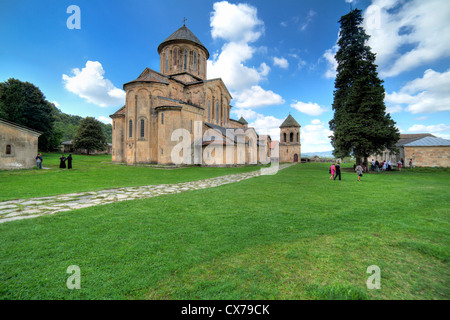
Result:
{"points": [[183, 35], [290, 122], [242, 120]]}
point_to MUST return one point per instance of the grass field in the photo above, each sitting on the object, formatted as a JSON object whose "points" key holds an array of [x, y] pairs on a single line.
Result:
{"points": [[96, 172], [294, 235]]}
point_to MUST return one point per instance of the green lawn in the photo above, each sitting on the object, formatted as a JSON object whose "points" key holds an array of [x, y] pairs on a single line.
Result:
{"points": [[295, 235], [95, 172]]}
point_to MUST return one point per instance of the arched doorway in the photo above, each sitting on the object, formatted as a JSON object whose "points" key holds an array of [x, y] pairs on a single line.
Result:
{"points": [[295, 157]]}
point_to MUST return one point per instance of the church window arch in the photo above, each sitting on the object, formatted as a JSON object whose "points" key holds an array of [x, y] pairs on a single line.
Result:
{"points": [[130, 128], [217, 111], [167, 60], [298, 137], [142, 127], [209, 110], [162, 118], [8, 150], [201, 64], [185, 59], [195, 62], [175, 57], [284, 137], [291, 137]]}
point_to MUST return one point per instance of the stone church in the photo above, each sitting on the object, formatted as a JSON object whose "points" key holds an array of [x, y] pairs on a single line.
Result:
{"points": [[180, 96]]}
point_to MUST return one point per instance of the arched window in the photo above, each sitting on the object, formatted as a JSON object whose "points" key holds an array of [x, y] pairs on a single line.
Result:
{"points": [[195, 61], [284, 137], [217, 111], [209, 111], [142, 128], [8, 149], [185, 59], [201, 64], [167, 60], [162, 118], [297, 137], [175, 57], [130, 128], [291, 137]]}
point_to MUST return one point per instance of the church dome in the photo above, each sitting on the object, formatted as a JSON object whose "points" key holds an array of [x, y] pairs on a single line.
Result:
{"points": [[183, 35]]}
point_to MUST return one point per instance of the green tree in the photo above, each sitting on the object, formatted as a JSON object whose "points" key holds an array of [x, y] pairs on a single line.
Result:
{"points": [[25, 104], [90, 135], [360, 124]]}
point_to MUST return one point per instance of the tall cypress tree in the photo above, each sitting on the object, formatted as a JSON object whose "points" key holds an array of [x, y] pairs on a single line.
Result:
{"points": [[360, 125]]}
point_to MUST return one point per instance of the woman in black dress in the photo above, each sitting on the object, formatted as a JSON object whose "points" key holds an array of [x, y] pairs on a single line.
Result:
{"points": [[62, 164], [69, 161]]}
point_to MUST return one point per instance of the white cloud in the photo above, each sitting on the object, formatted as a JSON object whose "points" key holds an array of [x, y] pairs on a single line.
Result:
{"points": [[281, 62], [240, 27], [267, 125], [104, 119], [256, 97], [438, 130], [331, 62], [308, 19], [89, 83], [430, 128], [56, 104], [310, 108], [407, 34], [229, 65], [248, 114], [394, 109], [235, 23], [424, 95], [315, 137]]}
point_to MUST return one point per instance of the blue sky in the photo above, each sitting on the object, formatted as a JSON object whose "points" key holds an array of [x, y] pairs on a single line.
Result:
{"points": [[276, 57]]}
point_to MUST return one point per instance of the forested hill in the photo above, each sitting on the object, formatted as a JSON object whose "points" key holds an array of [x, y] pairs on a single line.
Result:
{"points": [[68, 124]]}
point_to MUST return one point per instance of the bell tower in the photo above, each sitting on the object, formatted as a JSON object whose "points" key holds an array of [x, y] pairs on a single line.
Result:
{"points": [[290, 146]]}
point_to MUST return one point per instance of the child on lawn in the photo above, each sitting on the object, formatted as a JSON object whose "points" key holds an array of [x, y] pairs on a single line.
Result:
{"points": [[359, 171]]}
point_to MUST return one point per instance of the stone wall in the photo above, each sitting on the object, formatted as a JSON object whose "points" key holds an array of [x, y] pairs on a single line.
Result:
{"points": [[18, 147], [428, 156]]}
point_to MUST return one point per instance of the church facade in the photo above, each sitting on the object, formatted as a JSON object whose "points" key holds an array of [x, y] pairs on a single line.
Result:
{"points": [[179, 103]]}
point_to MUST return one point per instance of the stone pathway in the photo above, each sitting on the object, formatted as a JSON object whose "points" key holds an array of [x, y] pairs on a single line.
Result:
{"points": [[35, 207]]}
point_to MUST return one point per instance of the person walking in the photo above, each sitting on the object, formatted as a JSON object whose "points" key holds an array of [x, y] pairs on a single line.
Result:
{"points": [[39, 161], [410, 163], [359, 171], [338, 171], [69, 161], [332, 170], [62, 163], [399, 164]]}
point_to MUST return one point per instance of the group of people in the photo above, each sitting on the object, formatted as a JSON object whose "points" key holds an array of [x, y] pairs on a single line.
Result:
{"points": [[62, 163], [335, 171], [63, 160], [388, 166], [383, 165]]}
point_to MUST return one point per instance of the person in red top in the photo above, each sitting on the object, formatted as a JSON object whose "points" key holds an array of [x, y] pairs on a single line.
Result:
{"points": [[332, 170]]}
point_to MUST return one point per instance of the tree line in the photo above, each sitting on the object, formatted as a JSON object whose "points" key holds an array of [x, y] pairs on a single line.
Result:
{"points": [[25, 104]]}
